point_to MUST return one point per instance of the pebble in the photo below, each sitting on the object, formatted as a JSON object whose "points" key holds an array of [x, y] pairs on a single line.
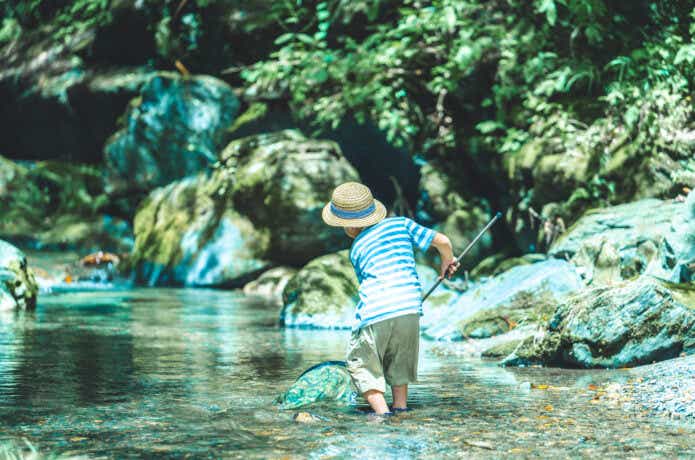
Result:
{"points": [[666, 388]]}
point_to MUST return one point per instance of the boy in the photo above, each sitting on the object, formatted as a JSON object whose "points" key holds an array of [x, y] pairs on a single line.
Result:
{"points": [[384, 345]]}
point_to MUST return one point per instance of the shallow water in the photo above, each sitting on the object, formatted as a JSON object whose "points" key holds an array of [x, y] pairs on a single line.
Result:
{"points": [[193, 373]]}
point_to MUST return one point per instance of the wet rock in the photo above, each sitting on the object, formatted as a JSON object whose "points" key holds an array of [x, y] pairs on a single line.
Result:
{"points": [[322, 294], [326, 382], [281, 181], [523, 292], [18, 288], [306, 417], [174, 128], [187, 233], [618, 326], [271, 284]]}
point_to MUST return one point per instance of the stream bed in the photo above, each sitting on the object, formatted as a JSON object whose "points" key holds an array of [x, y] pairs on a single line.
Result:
{"points": [[183, 373]]}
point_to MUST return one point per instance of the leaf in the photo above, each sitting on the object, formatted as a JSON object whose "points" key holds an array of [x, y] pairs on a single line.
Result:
{"points": [[539, 386], [284, 38], [550, 9], [548, 408]]}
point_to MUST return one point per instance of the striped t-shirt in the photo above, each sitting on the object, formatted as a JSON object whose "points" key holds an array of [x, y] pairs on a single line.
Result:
{"points": [[384, 262]]}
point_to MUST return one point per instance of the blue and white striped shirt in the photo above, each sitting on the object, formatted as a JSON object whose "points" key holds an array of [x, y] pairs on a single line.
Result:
{"points": [[384, 262]]}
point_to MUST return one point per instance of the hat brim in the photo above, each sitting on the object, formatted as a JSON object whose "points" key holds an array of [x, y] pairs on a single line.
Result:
{"points": [[366, 221]]}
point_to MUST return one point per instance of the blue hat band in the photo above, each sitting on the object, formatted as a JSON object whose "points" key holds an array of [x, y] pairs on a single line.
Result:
{"points": [[344, 214]]}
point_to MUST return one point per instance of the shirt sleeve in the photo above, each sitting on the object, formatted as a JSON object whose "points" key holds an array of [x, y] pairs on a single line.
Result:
{"points": [[420, 236]]}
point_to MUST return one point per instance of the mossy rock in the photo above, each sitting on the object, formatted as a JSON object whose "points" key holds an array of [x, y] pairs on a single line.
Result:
{"points": [[322, 294], [282, 181], [499, 263], [630, 324], [18, 288], [501, 350], [187, 234], [524, 308]]}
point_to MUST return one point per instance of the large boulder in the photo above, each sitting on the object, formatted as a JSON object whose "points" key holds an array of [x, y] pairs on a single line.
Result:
{"points": [[281, 181], [328, 381], [622, 242], [173, 129], [18, 288], [323, 294], [522, 294], [617, 326], [188, 234]]}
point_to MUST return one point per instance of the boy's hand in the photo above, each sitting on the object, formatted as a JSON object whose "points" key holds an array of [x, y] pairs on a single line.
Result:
{"points": [[448, 268]]}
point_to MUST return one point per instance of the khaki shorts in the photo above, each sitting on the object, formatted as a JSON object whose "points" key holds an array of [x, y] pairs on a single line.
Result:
{"points": [[385, 353]]}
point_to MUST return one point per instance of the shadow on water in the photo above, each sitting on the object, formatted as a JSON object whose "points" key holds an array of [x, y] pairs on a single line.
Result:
{"points": [[174, 373]]}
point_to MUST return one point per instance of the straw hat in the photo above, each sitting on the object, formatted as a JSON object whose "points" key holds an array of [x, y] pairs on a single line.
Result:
{"points": [[352, 205]]}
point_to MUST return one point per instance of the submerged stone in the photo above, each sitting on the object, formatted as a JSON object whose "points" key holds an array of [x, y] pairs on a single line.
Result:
{"points": [[18, 288], [626, 325], [328, 381]]}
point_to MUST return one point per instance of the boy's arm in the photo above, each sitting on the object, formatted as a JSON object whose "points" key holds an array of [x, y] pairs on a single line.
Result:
{"points": [[449, 264]]}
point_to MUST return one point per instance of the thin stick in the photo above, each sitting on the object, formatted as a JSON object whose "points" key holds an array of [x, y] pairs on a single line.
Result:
{"points": [[468, 248]]}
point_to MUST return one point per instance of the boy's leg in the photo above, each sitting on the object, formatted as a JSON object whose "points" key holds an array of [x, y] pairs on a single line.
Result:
{"points": [[400, 396], [376, 399], [401, 358]]}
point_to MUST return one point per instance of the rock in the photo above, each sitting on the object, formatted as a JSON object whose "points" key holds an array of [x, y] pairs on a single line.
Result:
{"points": [[173, 129], [281, 181], [306, 417], [622, 242], [524, 292], [18, 288], [677, 248], [618, 326], [187, 233], [271, 284], [323, 294], [328, 381], [498, 263]]}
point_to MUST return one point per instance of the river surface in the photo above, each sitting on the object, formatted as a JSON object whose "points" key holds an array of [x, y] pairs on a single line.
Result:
{"points": [[178, 373]]}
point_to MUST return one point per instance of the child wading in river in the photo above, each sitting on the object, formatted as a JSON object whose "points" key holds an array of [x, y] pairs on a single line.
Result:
{"points": [[385, 340]]}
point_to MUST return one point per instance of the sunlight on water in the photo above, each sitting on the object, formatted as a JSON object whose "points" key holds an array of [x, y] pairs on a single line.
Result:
{"points": [[166, 372]]}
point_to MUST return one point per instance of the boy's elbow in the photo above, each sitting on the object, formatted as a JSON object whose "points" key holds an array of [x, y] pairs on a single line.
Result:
{"points": [[441, 240]]}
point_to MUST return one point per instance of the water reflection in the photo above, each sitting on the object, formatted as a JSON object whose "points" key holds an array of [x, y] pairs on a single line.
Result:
{"points": [[165, 372]]}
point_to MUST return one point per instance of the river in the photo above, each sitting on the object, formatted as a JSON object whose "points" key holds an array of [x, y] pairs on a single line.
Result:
{"points": [[178, 373]]}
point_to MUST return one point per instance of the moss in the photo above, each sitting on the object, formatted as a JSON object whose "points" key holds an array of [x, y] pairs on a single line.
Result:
{"points": [[524, 308], [501, 350], [326, 284]]}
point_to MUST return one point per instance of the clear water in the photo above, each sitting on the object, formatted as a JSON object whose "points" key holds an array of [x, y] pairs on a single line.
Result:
{"points": [[193, 373]]}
